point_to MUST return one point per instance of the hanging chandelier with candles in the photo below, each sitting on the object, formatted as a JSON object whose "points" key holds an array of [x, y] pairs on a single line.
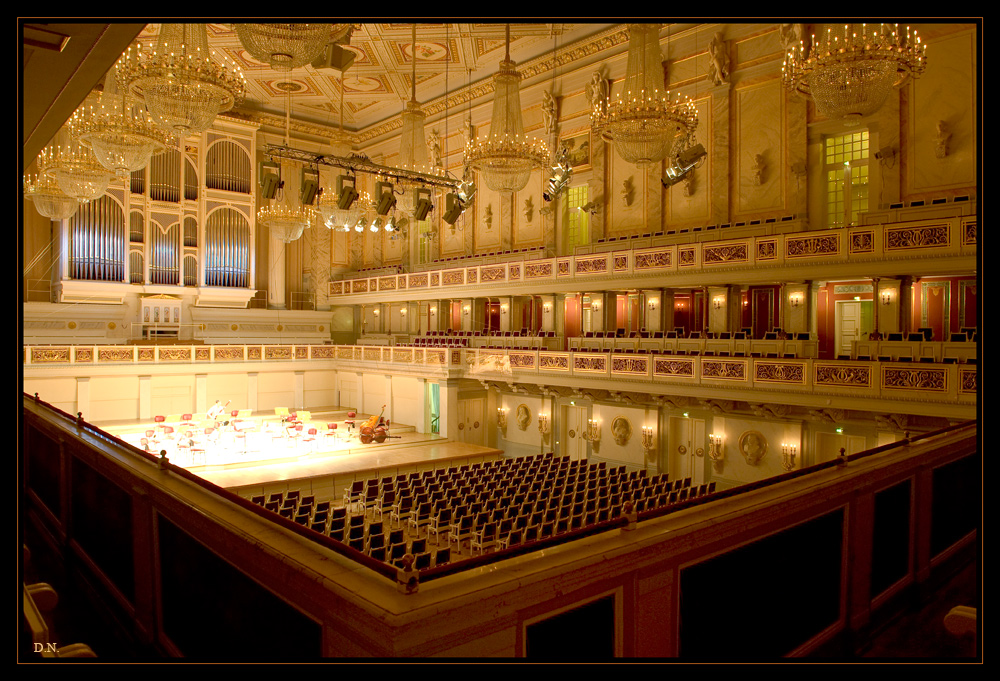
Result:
{"points": [[286, 222], [183, 88], [850, 74], [288, 46], [74, 167], [643, 121], [50, 201], [121, 135], [507, 156]]}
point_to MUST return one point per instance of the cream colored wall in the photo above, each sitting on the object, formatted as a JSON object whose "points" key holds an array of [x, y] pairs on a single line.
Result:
{"points": [[631, 453]]}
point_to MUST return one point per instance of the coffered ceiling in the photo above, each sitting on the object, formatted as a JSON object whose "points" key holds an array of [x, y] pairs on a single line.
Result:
{"points": [[377, 85]]}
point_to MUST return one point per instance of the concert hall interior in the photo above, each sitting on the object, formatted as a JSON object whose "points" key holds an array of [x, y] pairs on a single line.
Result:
{"points": [[485, 340]]}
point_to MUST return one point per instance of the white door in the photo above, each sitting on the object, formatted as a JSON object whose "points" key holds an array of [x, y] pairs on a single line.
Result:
{"points": [[848, 326], [574, 425]]}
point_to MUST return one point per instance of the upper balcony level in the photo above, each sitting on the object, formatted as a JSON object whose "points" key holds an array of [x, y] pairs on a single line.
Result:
{"points": [[929, 246]]}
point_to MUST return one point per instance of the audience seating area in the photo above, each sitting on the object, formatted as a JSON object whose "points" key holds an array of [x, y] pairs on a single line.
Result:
{"points": [[439, 516]]}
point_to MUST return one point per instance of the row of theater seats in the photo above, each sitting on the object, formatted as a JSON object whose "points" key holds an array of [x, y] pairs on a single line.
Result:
{"points": [[492, 254], [352, 528], [499, 504], [479, 507], [695, 353]]}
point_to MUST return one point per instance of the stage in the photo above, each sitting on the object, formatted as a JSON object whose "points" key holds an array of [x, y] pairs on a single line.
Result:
{"points": [[262, 453]]}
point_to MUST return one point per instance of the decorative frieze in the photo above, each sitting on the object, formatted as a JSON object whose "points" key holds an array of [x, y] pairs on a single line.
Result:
{"points": [[897, 378], [202, 354], [863, 241], [254, 352], [733, 370], [724, 253], [968, 381], [843, 376], [372, 354], [970, 232], [652, 260], [812, 246], [175, 354], [925, 236], [493, 273], [387, 283], [621, 262], [453, 278], [418, 280], [767, 249], [302, 352], [553, 362], [522, 360], [669, 366], [537, 269], [83, 355], [359, 286], [50, 355], [593, 265], [402, 354], [627, 364], [686, 256], [277, 352], [779, 372], [589, 362]]}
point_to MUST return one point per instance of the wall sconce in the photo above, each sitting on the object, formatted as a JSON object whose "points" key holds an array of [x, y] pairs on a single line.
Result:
{"points": [[502, 418], [376, 313], [652, 304], [718, 302], [788, 456], [465, 310], [402, 312], [886, 297], [593, 433], [503, 309], [715, 451], [795, 299], [679, 305], [648, 439], [546, 307], [543, 424]]}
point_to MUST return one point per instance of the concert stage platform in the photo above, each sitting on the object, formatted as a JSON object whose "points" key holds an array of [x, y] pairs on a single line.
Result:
{"points": [[264, 455]]}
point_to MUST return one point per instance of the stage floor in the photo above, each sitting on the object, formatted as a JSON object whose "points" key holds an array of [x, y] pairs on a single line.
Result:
{"points": [[265, 455]]}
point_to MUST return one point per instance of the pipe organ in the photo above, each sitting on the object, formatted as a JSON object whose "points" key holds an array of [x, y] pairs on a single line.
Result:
{"points": [[97, 241], [165, 176], [227, 167], [227, 249], [164, 262]]}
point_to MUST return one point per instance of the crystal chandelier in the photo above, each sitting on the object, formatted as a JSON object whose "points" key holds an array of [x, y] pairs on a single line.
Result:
{"points": [[50, 201], [335, 217], [287, 223], [183, 88], [74, 167], [644, 123], [288, 46], [851, 75], [121, 135], [507, 156]]}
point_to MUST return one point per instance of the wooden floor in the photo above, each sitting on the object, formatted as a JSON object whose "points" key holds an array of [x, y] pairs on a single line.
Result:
{"points": [[326, 469]]}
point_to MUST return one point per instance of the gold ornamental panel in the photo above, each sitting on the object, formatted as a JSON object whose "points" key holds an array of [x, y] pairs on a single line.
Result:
{"points": [[83, 355], [916, 237], [50, 355], [663, 366], [812, 246], [553, 361], [856, 376], [590, 362], [277, 352], [653, 260], [780, 372], [930, 380], [732, 370]]}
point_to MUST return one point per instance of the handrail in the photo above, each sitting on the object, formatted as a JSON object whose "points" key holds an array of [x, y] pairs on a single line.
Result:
{"points": [[454, 567]]}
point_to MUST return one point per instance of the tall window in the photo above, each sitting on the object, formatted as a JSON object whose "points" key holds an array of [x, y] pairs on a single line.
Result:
{"points": [[846, 163], [577, 221]]}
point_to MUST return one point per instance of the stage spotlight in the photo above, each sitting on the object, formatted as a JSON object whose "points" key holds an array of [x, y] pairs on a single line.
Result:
{"points": [[386, 199], [453, 208], [562, 171], [346, 193], [421, 203], [310, 186], [376, 223], [466, 190], [269, 180], [682, 164], [359, 225]]}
